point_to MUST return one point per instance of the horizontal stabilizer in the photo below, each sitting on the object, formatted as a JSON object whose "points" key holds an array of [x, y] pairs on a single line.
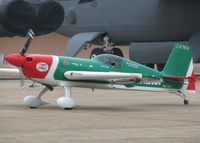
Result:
{"points": [[180, 78]]}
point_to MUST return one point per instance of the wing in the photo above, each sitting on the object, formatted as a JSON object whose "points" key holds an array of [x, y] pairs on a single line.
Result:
{"points": [[103, 76]]}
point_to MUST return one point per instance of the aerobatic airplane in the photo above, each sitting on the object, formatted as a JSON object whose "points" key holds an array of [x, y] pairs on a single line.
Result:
{"points": [[105, 71]]}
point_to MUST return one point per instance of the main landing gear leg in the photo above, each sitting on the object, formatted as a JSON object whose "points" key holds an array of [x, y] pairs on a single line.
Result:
{"points": [[66, 102], [182, 95], [35, 101]]}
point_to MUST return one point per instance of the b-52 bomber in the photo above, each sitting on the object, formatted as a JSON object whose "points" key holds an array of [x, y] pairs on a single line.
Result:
{"points": [[146, 26]]}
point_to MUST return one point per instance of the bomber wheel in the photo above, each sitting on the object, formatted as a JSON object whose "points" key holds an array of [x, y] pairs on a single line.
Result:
{"points": [[186, 102]]}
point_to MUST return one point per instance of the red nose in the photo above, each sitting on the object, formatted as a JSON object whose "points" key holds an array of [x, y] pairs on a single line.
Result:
{"points": [[15, 59]]}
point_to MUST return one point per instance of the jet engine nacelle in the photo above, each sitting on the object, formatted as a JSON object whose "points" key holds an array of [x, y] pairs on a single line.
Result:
{"points": [[18, 16], [151, 52], [158, 52]]}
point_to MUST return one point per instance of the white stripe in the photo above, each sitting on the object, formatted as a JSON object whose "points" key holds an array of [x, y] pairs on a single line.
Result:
{"points": [[190, 68], [50, 75], [189, 73]]}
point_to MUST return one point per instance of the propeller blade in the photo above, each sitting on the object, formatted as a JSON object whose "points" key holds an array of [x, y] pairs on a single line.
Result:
{"points": [[2, 58], [27, 42], [22, 77]]}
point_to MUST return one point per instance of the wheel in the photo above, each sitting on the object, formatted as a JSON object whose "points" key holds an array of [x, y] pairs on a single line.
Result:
{"points": [[186, 102], [33, 101], [66, 103], [68, 108], [33, 107], [118, 52], [96, 52]]}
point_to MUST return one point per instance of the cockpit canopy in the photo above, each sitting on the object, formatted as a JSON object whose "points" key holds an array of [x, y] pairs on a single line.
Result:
{"points": [[110, 60]]}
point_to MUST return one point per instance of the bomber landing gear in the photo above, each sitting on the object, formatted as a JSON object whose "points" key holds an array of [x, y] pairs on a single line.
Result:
{"points": [[66, 102], [35, 101], [106, 49]]}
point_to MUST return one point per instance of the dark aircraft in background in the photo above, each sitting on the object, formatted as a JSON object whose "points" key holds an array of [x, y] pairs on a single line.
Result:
{"points": [[150, 27]]}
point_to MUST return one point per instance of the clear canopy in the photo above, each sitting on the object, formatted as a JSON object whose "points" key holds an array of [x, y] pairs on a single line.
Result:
{"points": [[110, 60]]}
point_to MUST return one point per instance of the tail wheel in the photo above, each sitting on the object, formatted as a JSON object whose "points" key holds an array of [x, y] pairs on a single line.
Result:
{"points": [[186, 102]]}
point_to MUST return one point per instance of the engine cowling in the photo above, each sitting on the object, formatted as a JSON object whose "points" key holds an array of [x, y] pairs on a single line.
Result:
{"points": [[18, 16]]}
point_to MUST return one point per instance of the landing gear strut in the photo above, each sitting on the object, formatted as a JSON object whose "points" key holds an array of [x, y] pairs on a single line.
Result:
{"points": [[107, 48], [66, 102], [182, 95]]}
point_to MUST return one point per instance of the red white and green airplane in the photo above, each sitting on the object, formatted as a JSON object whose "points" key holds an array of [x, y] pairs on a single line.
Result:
{"points": [[105, 71]]}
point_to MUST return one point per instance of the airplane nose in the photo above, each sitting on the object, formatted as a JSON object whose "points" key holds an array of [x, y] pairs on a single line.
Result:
{"points": [[15, 59]]}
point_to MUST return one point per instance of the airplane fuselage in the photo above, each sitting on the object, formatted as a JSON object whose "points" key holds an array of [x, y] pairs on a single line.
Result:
{"points": [[63, 71]]}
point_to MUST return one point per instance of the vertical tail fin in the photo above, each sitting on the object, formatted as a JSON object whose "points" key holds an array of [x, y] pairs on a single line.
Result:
{"points": [[179, 61], [180, 66]]}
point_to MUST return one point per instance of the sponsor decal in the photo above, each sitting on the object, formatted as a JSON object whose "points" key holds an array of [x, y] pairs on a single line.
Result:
{"points": [[133, 65], [90, 66], [105, 67], [74, 74], [183, 47], [42, 67], [65, 62], [75, 64]]}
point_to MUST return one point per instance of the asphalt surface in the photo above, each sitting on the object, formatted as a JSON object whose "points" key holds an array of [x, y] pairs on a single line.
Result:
{"points": [[100, 116]]}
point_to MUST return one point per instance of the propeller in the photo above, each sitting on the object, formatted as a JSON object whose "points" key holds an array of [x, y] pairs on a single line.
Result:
{"points": [[29, 37], [26, 45]]}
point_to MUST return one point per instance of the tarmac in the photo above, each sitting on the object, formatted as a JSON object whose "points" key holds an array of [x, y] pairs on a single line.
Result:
{"points": [[101, 116]]}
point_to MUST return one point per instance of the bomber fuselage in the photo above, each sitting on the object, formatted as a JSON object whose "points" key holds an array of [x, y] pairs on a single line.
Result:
{"points": [[128, 21]]}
